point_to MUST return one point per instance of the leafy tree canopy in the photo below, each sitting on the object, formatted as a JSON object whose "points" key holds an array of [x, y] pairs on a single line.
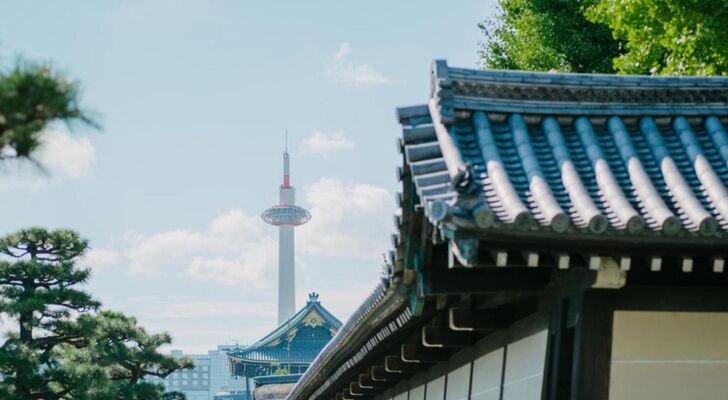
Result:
{"points": [[659, 37], [545, 35], [32, 96], [63, 347], [668, 37]]}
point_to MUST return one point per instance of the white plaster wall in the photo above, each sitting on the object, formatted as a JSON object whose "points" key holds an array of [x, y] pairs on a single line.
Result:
{"points": [[487, 371], [525, 360], [458, 383], [417, 393], [436, 389], [669, 356]]}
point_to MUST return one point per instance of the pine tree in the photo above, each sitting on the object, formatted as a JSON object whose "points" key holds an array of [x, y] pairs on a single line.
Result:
{"points": [[37, 290], [31, 97], [62, 347]]}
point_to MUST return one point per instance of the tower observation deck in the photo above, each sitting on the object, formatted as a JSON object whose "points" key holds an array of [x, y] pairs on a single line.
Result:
{"points": [[286, 215]]}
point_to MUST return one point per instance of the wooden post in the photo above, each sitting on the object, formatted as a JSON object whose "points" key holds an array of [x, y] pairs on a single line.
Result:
{"points": [[593, 346]]}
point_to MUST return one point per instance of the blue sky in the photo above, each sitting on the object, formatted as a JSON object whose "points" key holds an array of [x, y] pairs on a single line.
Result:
{"points": [[194, 97]]}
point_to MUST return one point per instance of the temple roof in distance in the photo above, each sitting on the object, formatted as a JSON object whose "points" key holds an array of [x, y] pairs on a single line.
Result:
{"points": [[595, 166], [298, 340]]}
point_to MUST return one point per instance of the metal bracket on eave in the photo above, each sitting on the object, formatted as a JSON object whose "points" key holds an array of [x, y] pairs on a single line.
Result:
{"points": [[609, 273]]}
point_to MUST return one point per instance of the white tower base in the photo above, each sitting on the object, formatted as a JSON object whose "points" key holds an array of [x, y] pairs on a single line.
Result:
{"points": [[286, 274]]}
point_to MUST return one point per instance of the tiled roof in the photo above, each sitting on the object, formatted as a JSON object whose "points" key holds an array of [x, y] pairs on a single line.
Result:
{"points": [[590, 154], [269, 349], [294, 320], [297, 355]]}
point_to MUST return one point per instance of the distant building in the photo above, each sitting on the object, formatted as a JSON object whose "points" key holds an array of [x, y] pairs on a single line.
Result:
{"points": [[210, 376], [291, 347]]}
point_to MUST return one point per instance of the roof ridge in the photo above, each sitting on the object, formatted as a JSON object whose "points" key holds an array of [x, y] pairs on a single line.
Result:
{"points": [[293, 320], [573, 93]]}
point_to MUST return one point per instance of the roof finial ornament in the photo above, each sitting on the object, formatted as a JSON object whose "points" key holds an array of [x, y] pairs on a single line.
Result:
{"points": [[313, 297]]}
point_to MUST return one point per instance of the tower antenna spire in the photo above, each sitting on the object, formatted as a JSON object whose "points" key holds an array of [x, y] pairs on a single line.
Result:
{"points": [[286, 142]]}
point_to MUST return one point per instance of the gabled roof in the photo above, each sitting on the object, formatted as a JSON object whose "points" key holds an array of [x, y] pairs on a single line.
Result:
{"points": [[313, 305], [572, 154], [269, 349]]}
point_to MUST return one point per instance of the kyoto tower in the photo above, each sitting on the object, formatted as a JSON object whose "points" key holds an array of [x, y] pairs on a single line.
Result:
{"points": [[286, 216]]}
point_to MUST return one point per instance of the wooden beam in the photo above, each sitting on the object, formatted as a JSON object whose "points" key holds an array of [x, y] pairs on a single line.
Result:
{"points": [[691, 299], [496, 300], [414, 354], [439, 337], [479, 320], [485, 280]]}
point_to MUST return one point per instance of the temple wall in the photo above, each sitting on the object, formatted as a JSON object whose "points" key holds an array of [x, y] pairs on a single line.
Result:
{"points": [[669, 355], [481, 377], [659, 345]]}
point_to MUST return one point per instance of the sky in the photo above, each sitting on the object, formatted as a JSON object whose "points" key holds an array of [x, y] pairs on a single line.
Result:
{"points": [[193, 98]]}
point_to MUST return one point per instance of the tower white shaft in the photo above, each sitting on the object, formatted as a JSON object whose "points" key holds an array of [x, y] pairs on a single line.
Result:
{"points": [[286, 216], [286, 274], [286, 247]]}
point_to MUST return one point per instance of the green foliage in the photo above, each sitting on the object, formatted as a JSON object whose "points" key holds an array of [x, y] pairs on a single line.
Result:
{"points": [[36, 290], [659, 37], [129, 355], [668, 37], [31, 97], [544, 35], [63, 347]]}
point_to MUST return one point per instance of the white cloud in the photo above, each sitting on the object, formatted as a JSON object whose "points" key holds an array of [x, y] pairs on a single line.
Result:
{"points": [[321, 143], [349, 219], [237, 225], [61, 155], [237, 249], [233, 250], [71, 157], [250, 269], [100, 259], [164, 250], [346, 73]]}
